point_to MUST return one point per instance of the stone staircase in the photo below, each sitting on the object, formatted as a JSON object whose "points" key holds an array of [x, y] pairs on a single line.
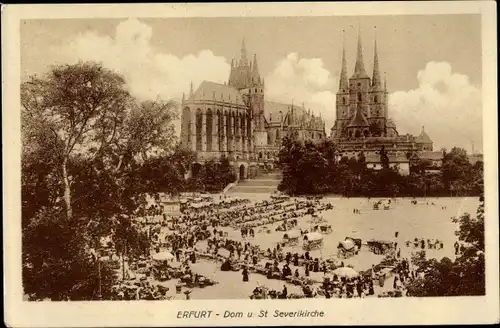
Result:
{"points": [[266, 183]]}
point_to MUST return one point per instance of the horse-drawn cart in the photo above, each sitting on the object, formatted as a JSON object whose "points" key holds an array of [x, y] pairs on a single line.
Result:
{"points": [[380, 247]]}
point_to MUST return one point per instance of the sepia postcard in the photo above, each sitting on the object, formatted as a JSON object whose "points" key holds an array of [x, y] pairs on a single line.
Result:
{"points": [[244, 164]]}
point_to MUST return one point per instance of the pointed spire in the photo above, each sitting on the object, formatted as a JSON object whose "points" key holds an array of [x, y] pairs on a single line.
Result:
{"points": [[385, 81], [255, 69], [376, 83], [343, 85], [183, 97], [243, 60], [191, 92], [359, 68]]}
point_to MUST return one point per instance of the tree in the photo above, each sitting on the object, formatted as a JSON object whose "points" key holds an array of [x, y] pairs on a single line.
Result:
{"points": [[456, 170], [82, 106], [85, 143]]}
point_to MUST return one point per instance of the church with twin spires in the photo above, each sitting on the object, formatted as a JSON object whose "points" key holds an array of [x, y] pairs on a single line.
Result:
{"points": [[362, 120]]}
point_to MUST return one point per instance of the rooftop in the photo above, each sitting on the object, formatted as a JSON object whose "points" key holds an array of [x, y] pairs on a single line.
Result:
{"points": [[217, 92]]}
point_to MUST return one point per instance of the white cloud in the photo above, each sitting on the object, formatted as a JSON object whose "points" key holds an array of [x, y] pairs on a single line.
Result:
{"points": [[446, 103], [149, 72], [303, 80]]}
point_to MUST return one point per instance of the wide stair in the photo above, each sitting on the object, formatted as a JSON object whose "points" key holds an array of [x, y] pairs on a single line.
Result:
{"points": [[266, 183]]}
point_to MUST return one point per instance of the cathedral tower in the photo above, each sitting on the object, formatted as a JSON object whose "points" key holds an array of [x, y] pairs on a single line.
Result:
{"points": [[378, 101], [245, 77], [342, 105], [359, 88]]}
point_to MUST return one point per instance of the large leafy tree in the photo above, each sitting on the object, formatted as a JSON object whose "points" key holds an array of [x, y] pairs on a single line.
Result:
{"points": [[85, 140], [456, 171]]}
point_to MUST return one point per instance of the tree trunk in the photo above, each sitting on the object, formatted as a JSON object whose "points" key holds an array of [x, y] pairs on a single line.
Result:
{"points": [[67, 190]]}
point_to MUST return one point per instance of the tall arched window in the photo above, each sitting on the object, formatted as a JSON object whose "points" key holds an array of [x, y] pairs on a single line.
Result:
{"points": [[375, 99], [343, 99], [359, 96]]}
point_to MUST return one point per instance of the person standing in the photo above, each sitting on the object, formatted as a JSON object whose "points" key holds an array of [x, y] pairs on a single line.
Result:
{"points": [[456, 247], [245, 274]]}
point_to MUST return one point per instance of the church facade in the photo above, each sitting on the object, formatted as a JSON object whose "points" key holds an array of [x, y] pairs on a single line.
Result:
{"points": [[362, 115], [236, 121]]}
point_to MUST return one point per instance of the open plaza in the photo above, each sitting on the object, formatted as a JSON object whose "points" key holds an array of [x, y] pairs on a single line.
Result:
{"points": [[260, 246]]}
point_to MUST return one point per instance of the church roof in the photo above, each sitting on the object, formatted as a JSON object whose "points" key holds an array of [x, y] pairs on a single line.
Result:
{"points": [[217, 92], [358, 119], [424, 137], [272, 111]]}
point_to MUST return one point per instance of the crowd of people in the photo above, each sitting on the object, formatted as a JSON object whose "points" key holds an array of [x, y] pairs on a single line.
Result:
{"points": [[181, 235]]}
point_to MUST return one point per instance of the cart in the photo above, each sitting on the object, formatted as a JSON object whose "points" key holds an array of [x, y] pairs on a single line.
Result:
{"points": [[291, 238], [380, 247], [346, 249], [312, 240], [325, 228]]}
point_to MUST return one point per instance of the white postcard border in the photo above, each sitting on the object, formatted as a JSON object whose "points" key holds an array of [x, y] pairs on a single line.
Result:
{"points": [[460, 310]]}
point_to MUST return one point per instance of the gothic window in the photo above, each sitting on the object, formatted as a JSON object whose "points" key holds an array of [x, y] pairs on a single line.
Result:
{"points": [[255, 89], [375, 99], [359, 96], [359, 84], [343, 100]]}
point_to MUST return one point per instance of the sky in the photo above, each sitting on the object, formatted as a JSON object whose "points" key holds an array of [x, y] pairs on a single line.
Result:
{"points": [[432, 63]]}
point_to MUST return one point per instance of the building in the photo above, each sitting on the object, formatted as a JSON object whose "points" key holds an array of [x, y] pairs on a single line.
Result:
{"points": [[235, 120], [362, 116], [374, 162]]}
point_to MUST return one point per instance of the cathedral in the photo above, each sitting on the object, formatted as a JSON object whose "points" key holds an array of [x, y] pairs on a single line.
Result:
{"points": [[362, 115], [235, 120]]}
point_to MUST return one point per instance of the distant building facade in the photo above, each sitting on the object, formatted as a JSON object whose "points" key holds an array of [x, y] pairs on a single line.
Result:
{"points": [[235, 120], [362, 117]]}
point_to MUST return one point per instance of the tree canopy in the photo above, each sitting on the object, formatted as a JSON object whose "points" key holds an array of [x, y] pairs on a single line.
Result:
{"points": [[312, 168], [85, 142]]}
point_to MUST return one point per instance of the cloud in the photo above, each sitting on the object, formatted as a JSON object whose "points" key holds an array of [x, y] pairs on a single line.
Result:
{"points": [[446, 103], [303, 80], [149, 72]]}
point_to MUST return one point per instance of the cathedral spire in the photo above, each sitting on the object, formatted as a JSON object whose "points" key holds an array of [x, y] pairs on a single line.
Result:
{"points": [[376, 82], [343, 85], [255, 69], [191, 91], [385, 82], [243, 60], [359, 69]]}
